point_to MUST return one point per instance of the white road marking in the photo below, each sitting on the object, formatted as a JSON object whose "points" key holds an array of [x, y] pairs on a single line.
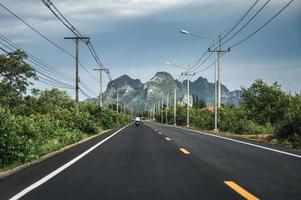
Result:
{"points": [[237, 141], [60, 169]]}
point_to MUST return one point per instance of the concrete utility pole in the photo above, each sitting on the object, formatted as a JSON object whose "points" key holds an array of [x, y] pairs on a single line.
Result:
{"points": [[218, 90], [100, 86], [218, 71], [189, 75], [167, 104], [117, 99], [175, 106], [76, 62], [124, 106], [162, 110]]}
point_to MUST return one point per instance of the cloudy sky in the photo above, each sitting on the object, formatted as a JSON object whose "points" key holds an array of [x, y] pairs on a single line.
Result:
{"points": [[137, 37]]}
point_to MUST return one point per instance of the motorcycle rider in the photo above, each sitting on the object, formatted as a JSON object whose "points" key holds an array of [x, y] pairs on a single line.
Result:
{"points": [[137, 121]]}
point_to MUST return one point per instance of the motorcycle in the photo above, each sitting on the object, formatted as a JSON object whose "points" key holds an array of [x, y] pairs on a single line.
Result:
{"points": [[137, 123]]}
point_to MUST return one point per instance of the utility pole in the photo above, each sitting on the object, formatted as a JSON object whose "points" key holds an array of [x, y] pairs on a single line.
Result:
{"points": [[189, 75], [100, 86], [217, 84], [76, 62], [124, 106], [162, 110], [218, 51], [117, 99], [167, 102], [175, 106]]}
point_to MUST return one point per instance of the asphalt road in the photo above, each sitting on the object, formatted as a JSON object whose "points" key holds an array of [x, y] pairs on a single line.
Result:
{"points": [[169, 163]]}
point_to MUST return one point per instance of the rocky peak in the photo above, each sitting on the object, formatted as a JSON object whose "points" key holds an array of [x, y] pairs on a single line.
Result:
{"points": [[162, 76], [125, 80]]}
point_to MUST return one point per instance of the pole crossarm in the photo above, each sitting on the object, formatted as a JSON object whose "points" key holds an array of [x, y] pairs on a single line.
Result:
{"points": [[219, 50], [84, 39]]}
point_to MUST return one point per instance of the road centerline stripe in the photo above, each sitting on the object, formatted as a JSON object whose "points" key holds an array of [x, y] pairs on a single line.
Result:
{"points": [[60, 169], [237, 141], [184, 151], [240, 190]]}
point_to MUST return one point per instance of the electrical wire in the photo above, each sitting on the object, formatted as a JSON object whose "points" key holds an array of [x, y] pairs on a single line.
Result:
{"points": [[266, 23], [84, 93], [46, 38], [211, 53], [46, 72], [36, 31], [41, 72], [240, 20], [67, 24], [261, 8], [200, 59], [49, 4], [206, 68], [87, 88], [44, 65]]}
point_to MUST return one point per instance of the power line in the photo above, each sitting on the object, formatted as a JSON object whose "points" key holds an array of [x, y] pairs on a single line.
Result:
{"points": [[206, 68], [32, 61], [44, 65], [49, 4], [54, 84], [35, 64], [240, 20], [200, 59], [3, 50], [266, 23], [211, 53], [67, 24], [87, 88], [85, 94], [262, 7], [46, 38], [36, 31]]}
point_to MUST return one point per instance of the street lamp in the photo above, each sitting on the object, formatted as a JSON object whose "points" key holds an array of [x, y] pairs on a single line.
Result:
{"points": [[189, 75], [217, 87]]}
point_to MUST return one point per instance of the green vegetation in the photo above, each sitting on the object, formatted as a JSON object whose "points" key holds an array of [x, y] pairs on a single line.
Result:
{"points": [[264, 109], [34, 125]]}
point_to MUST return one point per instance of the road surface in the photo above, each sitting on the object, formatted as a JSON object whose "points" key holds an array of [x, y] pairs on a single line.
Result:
{"points": [[155, 161]]}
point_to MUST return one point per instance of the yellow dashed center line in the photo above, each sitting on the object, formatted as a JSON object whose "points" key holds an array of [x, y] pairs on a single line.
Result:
{"points": [[240, 190], [184, 151], [168, 139]]}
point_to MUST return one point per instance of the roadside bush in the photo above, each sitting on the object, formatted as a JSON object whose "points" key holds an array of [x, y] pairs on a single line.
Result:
{"points": [[250, 127], [291, 131], [24, 138], [232, 119], [203, 119], [181, 115], [14, 147]]}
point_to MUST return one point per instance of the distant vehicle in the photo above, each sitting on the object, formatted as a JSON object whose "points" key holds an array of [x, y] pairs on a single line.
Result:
{"points": [[137, 121]]}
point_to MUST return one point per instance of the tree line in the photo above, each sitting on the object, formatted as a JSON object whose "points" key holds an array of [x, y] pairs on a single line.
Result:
{"points": [[36, 124], [264, 109]]}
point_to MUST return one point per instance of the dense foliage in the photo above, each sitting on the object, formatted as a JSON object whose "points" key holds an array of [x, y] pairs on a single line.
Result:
{"points": [[36, 124], [265, 109]]}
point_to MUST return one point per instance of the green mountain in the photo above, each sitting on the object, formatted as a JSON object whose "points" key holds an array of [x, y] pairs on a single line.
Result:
{"points": [[138, 96]]}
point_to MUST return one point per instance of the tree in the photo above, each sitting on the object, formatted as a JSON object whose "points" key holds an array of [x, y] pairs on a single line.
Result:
{"points": [[15, 72], [265, 103], [15, 75], [198, 103]]}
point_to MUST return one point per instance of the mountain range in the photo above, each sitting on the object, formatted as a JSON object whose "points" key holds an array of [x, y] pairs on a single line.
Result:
{"points": [[138, 96]]}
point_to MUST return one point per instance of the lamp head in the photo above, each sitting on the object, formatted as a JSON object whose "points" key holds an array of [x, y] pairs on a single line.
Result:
{"points": [[184, 31]]}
